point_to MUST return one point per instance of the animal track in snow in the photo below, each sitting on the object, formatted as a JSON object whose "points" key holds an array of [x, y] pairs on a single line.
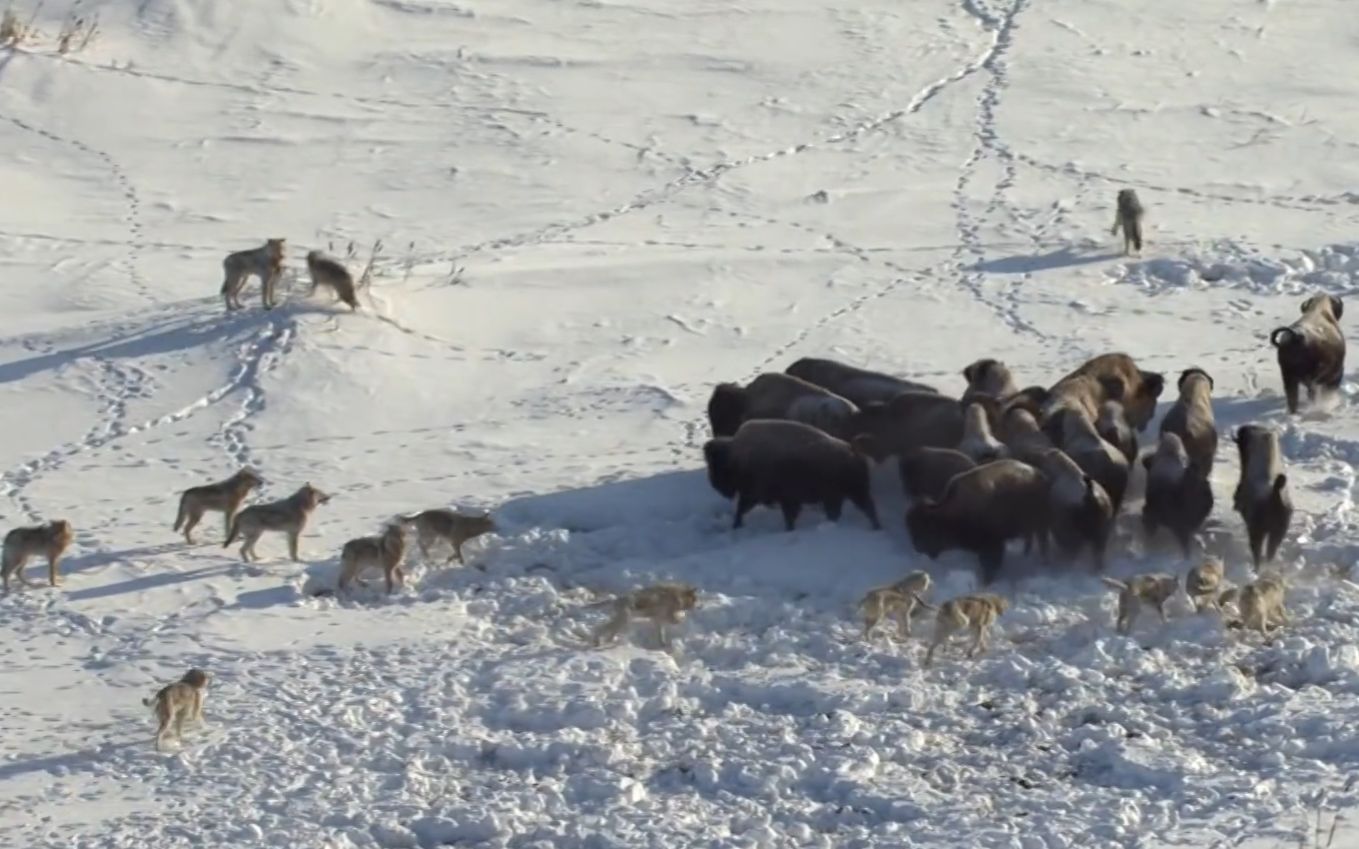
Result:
{"points": [[132, 216]]}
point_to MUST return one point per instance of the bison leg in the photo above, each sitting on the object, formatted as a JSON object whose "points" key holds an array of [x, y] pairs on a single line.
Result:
{"points": [[1099, 544], [744, 504], [1186, 538], [1274, 540], [992, 557], [1257, 541], [864, 502], [834, 507], [791, 509], [1291, 392]]}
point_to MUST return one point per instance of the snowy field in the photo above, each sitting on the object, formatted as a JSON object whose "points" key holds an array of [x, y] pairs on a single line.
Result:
{"points": [[591, 211]]}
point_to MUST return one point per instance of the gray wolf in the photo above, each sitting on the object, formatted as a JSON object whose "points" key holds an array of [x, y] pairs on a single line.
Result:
{"points": [[898, 599], [1129, 218], [288, 515], [328, 271], [381, 552], [444, 525], [265, 262]]}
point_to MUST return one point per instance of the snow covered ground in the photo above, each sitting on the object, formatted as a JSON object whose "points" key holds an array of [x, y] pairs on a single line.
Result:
{"points": [[591, 211]]}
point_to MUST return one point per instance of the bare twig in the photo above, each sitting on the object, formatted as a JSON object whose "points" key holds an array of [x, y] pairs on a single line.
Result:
{"points": [[367, 277]]}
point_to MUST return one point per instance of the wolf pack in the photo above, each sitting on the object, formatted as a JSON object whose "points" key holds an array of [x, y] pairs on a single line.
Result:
{"points": [[1046, 467]]}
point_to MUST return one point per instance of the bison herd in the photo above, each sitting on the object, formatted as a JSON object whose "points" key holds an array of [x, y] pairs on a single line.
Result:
{"points": [[1041, 465]]}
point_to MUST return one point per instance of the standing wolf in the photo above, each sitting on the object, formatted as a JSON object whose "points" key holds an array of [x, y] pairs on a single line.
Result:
{"points": [[50, 539], [265, 262], [454, 528], [383, 552], [178, 703], [222, 497], [1129, 217], [288, 515]]}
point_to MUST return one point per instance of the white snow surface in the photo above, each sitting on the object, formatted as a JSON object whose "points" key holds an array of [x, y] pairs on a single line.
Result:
{"points": [[592, 211]]}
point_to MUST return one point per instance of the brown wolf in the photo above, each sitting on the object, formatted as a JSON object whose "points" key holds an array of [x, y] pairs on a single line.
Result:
{"points": [[177, 703], [1261, 604], [223, 497], [50, 540], [663, 604], [1154, 589], [977, 612], [1202, 582]]}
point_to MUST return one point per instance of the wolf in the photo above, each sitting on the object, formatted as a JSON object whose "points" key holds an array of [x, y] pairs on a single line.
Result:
{"points": [[223, 497], [288, 515], [265, 262], [897, 599], [453, 528], [1202, 582], [977, 612], [663, 603], [1261, 603], [328, 271], [50, 539], [1129, 217], [178, 702], [1154, 589], [383, 551]]}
